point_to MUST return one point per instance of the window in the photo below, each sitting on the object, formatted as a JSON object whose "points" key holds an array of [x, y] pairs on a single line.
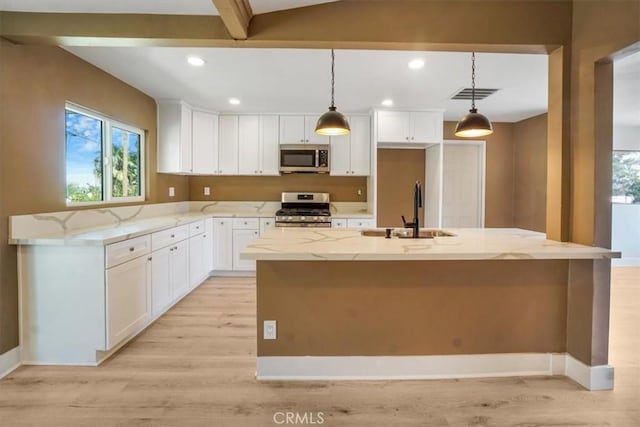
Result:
{"points": [[626, 177], [104, 159]]}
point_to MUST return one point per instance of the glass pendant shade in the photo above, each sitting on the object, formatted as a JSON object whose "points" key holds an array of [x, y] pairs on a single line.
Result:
{"points": [[473, 125], [332, 122]]}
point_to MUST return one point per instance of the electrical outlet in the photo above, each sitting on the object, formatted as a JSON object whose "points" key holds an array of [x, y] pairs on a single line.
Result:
{"points": [[172, 192], [359, 191], [269, 332], [207, 191]]}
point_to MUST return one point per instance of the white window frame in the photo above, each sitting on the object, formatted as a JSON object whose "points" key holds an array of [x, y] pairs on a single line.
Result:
{"points": [[107, 174]]}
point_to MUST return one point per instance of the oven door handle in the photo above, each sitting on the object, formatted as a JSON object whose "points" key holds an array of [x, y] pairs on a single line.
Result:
{"points": [[317, 158]]}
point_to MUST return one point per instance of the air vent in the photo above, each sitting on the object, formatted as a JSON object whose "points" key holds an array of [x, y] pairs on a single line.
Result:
{"points": [[480, 93]]}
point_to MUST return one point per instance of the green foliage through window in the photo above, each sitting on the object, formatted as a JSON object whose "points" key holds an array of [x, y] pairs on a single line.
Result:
{"points": [[626, 177]]}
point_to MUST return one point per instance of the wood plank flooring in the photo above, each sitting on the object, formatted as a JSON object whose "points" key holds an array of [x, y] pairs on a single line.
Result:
{"points": [[195, 367]]}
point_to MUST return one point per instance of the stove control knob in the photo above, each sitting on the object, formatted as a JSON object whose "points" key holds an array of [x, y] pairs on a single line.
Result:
{"points": [[290, 218], [315, 218], [302, 218]]}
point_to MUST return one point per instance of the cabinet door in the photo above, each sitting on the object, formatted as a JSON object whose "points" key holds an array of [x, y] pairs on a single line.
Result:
{"points": [[205, 142], [228, 145], [179, 267], [360, 145], [426, 127], [249, 145], [222, 244], [208, 247], [269, 146], [292, 130], [241, 238], [196, 260], [311, 136], [340, 161], [393, 126], [160, 281], [186, 120], [126, 299]]}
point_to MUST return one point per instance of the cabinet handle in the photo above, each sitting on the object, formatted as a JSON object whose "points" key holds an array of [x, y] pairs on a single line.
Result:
{"points": [[255, 171], [407, 138], [204, 236], [131, 249], [173, 235], [149, 259], [260, 171], [412, 138], [170, 249]]}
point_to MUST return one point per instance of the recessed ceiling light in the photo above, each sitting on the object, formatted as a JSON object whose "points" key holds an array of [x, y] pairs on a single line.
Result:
{"points": [[387, 102], [234, 101], [196, 61], [416, 64]]}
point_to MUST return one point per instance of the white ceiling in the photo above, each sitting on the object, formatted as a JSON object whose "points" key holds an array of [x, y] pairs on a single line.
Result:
{"points": [[175, 7], [298, 80], [626, 91]]}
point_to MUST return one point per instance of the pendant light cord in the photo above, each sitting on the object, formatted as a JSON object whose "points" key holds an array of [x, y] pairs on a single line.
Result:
{"points": [[333, 59], [473, 80]]}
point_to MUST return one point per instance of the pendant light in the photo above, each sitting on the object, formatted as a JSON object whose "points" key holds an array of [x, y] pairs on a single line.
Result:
{"points": [[473, 124], [332, 122]]}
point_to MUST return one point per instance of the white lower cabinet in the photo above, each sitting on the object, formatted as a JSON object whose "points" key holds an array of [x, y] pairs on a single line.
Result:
{"points": [[196, 260], [207, 253], [223, 244], [241, 238], [128, 306], [179, 268], [161, 297], [338, 223]]}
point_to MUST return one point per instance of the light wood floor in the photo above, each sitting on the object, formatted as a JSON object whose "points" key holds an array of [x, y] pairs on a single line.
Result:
{"points": [[195, 367]]}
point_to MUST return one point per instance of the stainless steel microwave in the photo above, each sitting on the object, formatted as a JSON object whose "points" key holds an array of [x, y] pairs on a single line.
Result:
{"points": [[304, 158]]}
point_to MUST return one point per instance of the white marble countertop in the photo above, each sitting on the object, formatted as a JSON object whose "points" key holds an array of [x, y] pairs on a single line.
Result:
{"points": [[300, 244], [105, 235]]}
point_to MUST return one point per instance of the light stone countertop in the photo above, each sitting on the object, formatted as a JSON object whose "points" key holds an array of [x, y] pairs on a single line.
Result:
{"points": [[306, 244]]}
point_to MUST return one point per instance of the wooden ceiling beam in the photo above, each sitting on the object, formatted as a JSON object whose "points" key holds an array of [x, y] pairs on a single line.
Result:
{"points": [[236, 15]]}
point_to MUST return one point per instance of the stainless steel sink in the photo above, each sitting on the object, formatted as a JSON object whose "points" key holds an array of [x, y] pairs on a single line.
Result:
{"points": [[407, 233]]}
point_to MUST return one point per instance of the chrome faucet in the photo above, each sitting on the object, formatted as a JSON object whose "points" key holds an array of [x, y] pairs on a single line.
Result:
{"points": [[417, 203]]}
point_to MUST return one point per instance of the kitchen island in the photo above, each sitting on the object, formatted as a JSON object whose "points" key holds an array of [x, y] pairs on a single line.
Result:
{"points": [[484, 302]]}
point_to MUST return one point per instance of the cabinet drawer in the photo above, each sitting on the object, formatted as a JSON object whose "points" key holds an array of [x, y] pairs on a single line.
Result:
{"points": [[120, 252], [163, 238], [246, 223], [196, 228], [338, 223], [361, 223]]}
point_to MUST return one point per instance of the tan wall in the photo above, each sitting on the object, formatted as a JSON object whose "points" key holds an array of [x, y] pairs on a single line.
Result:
{"points": [[397, 172], [35, 82], [499, 173], [413, 308], [530, 173], [599, 30], [340, 189]]}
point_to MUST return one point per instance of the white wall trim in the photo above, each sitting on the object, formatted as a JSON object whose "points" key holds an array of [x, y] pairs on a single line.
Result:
{"points": [[590, 377], [9, 361], [310, 368]]}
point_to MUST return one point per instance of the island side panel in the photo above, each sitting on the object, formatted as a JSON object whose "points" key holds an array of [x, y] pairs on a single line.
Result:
{"points": [[373, 308]]}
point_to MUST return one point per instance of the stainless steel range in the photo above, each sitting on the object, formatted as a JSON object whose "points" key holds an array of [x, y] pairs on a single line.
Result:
{"points": [[304, 210]]}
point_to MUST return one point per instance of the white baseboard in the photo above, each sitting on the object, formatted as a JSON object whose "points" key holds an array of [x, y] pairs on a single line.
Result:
{"points": [[590, 377], [310, 368], [227, 273], [9, 361]]}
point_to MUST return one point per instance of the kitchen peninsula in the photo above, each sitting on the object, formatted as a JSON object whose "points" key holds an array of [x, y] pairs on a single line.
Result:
{"points": [[484, 302]]}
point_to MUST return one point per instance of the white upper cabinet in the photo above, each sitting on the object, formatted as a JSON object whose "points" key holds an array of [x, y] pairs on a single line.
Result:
{"points": [[205, 142], [350, 154], [300, 130], [258, 145], [187, 139], [174, 137], [408, 127], [228, 133]]}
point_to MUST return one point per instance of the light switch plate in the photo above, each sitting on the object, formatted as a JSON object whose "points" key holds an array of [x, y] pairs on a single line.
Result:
{"points": [[172, 191], [269, 332], [207, 191]]}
